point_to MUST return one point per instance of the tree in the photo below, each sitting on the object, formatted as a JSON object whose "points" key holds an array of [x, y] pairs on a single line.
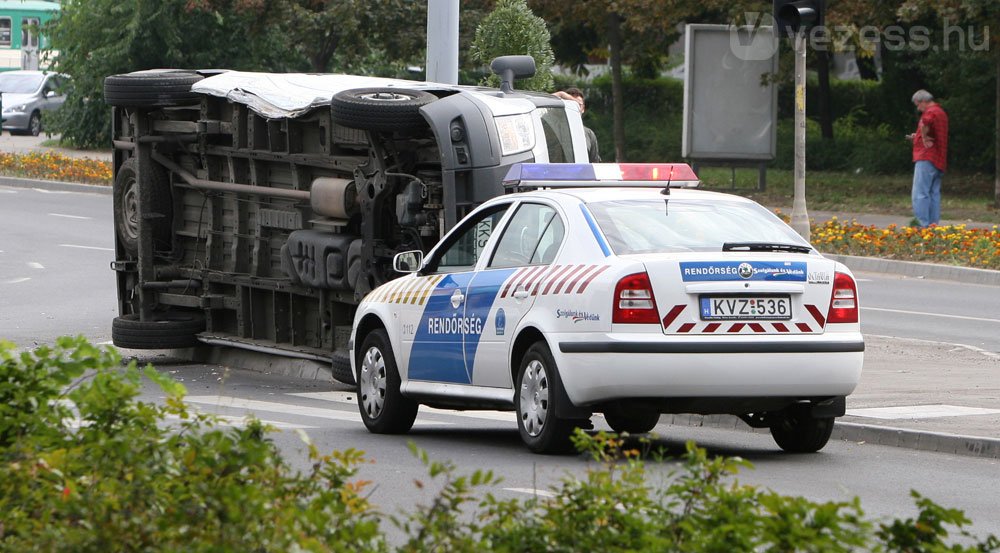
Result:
{"points": [[512, 28], [97, 38]]}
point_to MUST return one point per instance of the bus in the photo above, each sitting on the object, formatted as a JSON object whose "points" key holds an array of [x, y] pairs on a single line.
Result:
{"points": [[20, 41]]}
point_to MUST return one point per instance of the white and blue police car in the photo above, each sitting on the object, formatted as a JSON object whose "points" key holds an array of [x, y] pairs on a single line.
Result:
{"points": [[613, 289]]}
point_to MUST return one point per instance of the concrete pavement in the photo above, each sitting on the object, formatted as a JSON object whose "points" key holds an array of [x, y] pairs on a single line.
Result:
{"points": [[915, 394]]}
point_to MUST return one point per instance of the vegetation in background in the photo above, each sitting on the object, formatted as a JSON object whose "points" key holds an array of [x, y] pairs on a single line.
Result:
{"points": [[511, 28], [85, 466], [52, 166]]}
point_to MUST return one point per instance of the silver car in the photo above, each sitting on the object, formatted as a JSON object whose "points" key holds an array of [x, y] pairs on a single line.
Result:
{"points": [[26, 95]]}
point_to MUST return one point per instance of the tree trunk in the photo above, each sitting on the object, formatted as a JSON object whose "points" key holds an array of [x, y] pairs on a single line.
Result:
{"points": [[825, 109], [996, 140], [617, 95]]}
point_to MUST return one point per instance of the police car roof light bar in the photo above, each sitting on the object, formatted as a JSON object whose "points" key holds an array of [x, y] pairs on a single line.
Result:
{"points": [[527, 176]]}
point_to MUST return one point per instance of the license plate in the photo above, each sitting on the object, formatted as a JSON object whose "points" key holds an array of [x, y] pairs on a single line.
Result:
{"points": [[746, 308]]}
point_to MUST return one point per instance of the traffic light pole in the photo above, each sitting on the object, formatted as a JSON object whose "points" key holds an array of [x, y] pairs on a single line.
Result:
{"points": [[800, 216]]}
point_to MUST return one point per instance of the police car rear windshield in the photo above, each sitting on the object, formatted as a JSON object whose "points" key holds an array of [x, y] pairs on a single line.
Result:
{"points": [[669, 225]]}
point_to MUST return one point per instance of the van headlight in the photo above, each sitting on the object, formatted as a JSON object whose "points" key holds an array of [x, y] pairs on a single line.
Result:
{"points": [[517, 133]]}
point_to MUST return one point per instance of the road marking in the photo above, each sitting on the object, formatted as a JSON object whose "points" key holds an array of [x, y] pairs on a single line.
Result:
{"points": [[224, 420], [920, 412], [15, 280], [274, 407], [350, 398], [87, 247], [531, 491], [69, 216], [982, 351], [963, 317], [35, 265], [44, 191]]}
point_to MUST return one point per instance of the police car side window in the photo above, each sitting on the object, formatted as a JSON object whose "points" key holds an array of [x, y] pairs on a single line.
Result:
{"points": [[463, 248], [532, 237]]}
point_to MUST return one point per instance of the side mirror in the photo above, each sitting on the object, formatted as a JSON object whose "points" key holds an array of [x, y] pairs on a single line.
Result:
{"points": [[50, 93], [408, 262], [512, 67]]}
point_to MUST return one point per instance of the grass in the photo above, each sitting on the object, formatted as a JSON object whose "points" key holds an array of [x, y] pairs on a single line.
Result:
{"points": [[964, 197]]}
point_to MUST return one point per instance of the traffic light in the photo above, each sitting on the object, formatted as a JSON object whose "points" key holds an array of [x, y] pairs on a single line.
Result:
{"points": [[791, 16]]}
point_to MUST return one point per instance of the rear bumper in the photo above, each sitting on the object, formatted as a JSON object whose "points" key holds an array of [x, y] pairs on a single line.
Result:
{"points": [[597, 369]]}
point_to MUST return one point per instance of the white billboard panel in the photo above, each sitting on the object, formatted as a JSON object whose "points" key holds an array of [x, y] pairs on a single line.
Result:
{"points": [[730, 107]]}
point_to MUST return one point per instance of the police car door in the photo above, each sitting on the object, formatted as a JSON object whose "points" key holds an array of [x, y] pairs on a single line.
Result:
{"points": [[439, 325], [506, 288]]}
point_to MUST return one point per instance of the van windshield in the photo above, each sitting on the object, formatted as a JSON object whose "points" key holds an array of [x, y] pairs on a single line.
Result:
{"points": [[20, 84], [669, 225], [558, 138]]}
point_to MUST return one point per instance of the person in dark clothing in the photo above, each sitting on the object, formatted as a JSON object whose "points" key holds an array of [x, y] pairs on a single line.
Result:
{"points": [[576, 95]]}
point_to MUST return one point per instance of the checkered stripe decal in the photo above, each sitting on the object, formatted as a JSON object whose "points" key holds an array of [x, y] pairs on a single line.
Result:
{"points": [[413, 291], [552, 279], [671, 325]]}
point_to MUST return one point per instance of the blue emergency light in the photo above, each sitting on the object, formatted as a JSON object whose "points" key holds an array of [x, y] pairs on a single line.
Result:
{"points": [[523, 176]]}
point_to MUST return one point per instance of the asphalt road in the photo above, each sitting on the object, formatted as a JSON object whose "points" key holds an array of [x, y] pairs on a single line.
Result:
{"points": [[881, 476]]}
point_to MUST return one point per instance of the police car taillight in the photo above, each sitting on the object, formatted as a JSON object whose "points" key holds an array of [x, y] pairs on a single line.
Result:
{"points": [[634, 301], [844, 301]]}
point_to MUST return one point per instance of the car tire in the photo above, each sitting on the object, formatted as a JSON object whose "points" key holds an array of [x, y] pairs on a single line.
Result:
{"points": [[165, 330], [535, 401], [340, 366], [633, 422], [152, 89], [34, 124], [796, 431], [384, 409], [126, 205], [381, 109]]}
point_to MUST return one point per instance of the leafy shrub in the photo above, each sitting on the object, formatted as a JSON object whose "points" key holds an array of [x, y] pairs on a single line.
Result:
{"points": [[512, 28], [85, 466]]}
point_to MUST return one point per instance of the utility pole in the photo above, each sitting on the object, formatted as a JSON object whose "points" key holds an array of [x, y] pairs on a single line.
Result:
{"points": [[442, 41], [794, 19]]}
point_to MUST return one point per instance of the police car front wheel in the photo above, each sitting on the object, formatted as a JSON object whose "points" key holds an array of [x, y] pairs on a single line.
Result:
{"points": [[383, 408]]}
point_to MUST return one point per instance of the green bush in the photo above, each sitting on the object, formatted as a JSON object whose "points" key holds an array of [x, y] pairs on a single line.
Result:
{"points": [[85, 466]]}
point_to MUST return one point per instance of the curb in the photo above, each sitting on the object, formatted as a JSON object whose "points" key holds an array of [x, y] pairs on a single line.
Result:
{"points": [[934, 271], [58, 186], [970, 446]]}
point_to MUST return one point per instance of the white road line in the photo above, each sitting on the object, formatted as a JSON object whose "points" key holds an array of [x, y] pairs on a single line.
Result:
{"points": [[920, 412], [44, 191], [289, 409], [531, 491], [15, 280], [87, 247], [224, 420], [963, 317], [982, 351], [35, 265], [350, 398], [69, 216]]}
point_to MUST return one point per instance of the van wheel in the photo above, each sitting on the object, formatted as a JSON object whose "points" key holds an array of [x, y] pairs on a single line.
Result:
{"points": [[796, 431], [126, 205], [381, 109], [384, 409], [165, 330], [152, 88]]}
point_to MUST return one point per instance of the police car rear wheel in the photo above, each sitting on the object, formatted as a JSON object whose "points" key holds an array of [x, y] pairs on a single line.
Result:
{"points": [[796, 431], [384, 409], [633, 422], [541, 429]]}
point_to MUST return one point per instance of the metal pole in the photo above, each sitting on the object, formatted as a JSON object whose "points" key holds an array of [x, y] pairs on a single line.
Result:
{"points": [[800, 217], [442, 41]]}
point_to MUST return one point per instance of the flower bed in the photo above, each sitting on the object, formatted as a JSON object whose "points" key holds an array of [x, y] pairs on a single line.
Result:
{"points": [[954, 245], [53, 166]]}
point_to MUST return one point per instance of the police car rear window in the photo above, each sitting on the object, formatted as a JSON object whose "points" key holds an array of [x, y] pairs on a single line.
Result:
{"points": [[662, 226]]}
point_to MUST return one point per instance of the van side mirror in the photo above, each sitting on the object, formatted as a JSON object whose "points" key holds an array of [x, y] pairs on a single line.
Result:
{"points": [[408, 262], [512, 67]]}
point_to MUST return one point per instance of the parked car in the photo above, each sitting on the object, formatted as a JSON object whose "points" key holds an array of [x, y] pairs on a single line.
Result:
{"points": [[26, 96], [619, 291]]}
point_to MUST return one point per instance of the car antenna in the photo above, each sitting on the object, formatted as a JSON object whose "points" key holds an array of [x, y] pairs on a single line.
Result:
{"points": [[666, 192]]}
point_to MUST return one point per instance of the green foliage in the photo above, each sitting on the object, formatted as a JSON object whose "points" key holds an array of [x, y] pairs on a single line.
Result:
{"points": [[86, 466], [512, 28]]}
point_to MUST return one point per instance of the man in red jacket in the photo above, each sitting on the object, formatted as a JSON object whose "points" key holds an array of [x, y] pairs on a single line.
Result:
{"points": [[930, 158]]}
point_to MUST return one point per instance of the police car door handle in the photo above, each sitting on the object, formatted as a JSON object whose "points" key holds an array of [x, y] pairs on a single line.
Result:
{"points": [[520, 293], [457, 298]]}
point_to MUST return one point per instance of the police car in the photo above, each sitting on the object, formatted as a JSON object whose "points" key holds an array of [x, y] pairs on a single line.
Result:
{"points": [[613, 289]]}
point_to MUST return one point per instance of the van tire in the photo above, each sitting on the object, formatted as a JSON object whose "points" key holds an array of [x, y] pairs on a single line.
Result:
{"points": [[166, 330], [126, 204], [152, 89], [381, 109]]}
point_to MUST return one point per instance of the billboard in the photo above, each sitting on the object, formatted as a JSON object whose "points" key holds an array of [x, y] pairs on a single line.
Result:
{"points": [[730, 106]]}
